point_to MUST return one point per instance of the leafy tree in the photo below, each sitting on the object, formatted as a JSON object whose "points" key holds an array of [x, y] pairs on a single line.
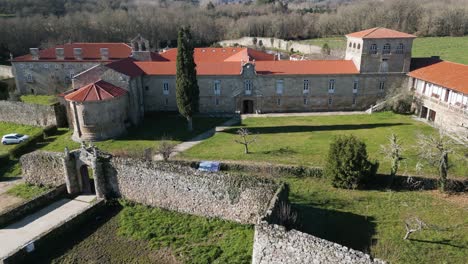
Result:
{"points": [[260, 43], [210, 6], [187, 91], [254, 41], [347, 163], [326, 49]]}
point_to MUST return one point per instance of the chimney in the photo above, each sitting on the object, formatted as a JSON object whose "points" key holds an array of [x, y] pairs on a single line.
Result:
{"points": [[34, 53], [77, 53], [59, 53], [104, 53]]}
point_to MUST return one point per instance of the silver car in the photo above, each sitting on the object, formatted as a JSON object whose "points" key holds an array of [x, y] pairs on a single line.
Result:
{"points": [[14, 138]]}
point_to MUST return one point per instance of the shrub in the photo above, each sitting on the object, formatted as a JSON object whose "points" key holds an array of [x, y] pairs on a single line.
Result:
{"points": [[402, 105], [26, 146], [165, 149], [347, 163]]}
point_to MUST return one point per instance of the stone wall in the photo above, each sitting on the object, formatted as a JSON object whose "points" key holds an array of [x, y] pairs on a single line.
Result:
{"points": [[276, 44], [183, 189], [273, 244], [30, 114], [43, 168]]}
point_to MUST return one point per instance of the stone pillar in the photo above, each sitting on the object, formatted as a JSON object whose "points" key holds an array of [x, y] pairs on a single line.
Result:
{"points": [[71, 176], [99, 180]]}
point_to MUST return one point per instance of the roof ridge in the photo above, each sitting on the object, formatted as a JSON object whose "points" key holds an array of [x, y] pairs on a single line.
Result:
{"points": [[102, 88], [372, 31]]}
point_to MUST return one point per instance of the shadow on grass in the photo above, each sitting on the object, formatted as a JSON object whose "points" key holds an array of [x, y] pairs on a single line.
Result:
{"points": [[298, 129], [348, 229], [68, 239], [445, 242]]}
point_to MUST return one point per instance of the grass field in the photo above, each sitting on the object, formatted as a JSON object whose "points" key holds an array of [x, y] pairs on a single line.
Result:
{"points": [[39, 99], [373, 221], [27, 191], [147, 135], [305, 140], [448, 48], [8, 128]]}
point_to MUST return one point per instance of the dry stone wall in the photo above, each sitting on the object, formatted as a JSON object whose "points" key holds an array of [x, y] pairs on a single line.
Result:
{"points": [[183, 189], [28, 114], [43, 168], [274, 245]]}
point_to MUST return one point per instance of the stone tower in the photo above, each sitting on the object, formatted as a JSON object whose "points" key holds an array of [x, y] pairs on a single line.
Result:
{"points": [[140, 48], [380, 50]]}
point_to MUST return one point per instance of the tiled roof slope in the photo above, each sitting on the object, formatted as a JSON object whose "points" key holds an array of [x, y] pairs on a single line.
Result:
{"points": [[97, 91], [90, 52], [380, 32], [126, 66], [313, 67], [446, 74], [221, 54]]}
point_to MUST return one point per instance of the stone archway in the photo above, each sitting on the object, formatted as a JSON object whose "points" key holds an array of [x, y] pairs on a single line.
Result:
{"points": [[86, 182], [247, 107]]}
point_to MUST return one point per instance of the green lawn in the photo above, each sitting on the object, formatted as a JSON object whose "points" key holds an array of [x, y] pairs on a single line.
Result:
{"points": [[147, 135], [448, 48], [192, 239], [39, 99], [8, 128], [27, 191], [373, 221], [305, 140]]}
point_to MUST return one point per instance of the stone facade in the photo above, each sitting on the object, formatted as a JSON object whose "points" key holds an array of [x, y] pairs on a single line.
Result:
{"points": [[43, 168], [274, 245], [31, 114]]}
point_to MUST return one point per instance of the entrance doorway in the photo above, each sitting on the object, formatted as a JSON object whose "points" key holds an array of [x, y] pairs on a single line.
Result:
{"points": [[432, 115], [87, 184], [424, 112], [247, 107]]}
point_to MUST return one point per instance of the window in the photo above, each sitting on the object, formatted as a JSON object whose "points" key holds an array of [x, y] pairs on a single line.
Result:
{"points": [[71, 74], [57, 66], [31, 66], [354, 100], [278, 101], [354, 45], [306, 101], [400, 48], [217, 87], [248, 87], [46, 66], [306, 87], [217, 101], [359, 46], [355, 86], [166, 101], [350, 44], [21, 66], [386, 49], [373, 49], [331, 86], [29, 77], [165, 88], [330, 100], [279, 86], [381, 85]]}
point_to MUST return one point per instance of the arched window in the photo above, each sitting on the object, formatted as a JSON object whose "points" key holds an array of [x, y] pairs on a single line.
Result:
{"points": [[373, 49], [354, 45], [400, 48], [350, 44], [359, 46], [386, 49]]}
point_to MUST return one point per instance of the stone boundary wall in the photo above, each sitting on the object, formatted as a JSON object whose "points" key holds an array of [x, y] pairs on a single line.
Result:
{"points": [[43, 168], [60, 233], [30, 114], [186, 190], [6, 72], [31, 206], [274, 245]]}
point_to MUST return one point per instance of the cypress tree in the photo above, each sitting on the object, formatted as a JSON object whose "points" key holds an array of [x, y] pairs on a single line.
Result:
{"points": [[187, 92]]}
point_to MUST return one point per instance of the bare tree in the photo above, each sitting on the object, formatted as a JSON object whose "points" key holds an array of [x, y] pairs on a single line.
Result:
{"points": [[246, 138], [393, 151], [413, 225], [165, 149], [435, 150]]}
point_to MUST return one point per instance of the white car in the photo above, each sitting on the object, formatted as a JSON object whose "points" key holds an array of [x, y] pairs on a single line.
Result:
{"points": [[13, 139]]}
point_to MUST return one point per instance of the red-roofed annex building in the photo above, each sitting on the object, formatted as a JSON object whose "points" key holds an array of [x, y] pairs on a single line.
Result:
{"points": [[237, 80]]}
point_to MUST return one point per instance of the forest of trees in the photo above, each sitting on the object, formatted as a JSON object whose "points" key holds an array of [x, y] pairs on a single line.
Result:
{"points": [[31, 23]]}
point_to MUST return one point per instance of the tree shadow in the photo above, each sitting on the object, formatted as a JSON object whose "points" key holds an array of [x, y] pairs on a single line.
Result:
{"points": [[280, 152], [303, 128], [445, 242], [348, 229]]}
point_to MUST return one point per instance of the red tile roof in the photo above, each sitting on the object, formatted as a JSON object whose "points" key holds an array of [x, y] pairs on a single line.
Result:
{"points": [[262, 67], [126, 66], [221, 54], [446, 74], [97, 91], [90, 52], [380, 32]]}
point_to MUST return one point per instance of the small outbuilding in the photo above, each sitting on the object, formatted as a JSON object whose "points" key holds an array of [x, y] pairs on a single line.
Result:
{"points": [[98, 111]]}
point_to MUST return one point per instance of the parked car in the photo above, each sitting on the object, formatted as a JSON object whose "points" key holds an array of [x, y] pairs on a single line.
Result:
{"points": [[14, 138]]}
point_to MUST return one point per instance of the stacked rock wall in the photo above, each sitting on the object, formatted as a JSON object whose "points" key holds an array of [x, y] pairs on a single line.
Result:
{"points": [[28, 114], [43, 168]]}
